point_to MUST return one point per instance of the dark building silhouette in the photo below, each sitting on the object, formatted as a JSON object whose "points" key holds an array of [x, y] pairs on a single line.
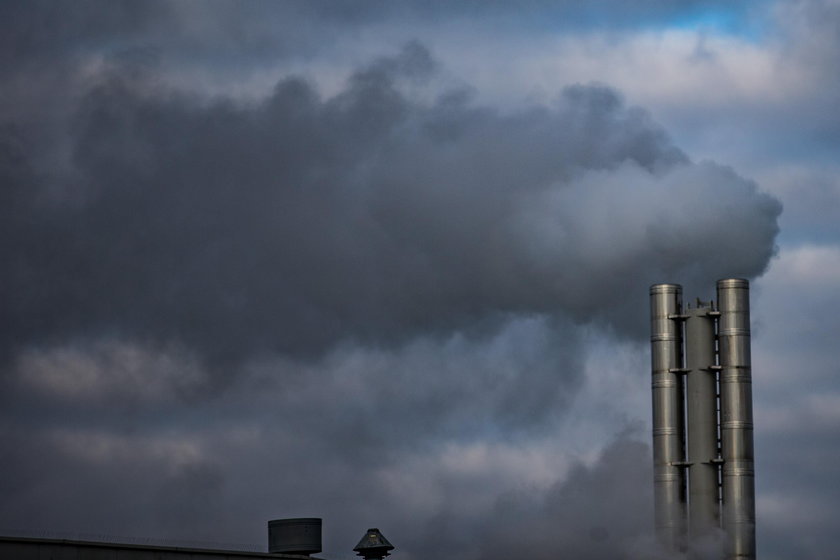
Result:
{"points": [[288, 539]]}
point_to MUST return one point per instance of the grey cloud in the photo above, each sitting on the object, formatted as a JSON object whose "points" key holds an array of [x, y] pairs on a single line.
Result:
{"points": [[796, 403], [391, 275], [585, 515], [300, 222], [60, 483], [220, 481], [810, 48], [332, 439], [533, 14]]}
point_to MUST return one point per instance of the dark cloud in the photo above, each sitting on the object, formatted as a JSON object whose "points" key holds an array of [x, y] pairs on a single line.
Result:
{"points": [[533, 14], [811, 43], [210, 482], [299, 222], [49, 50], [584, 516], [397, 273]]}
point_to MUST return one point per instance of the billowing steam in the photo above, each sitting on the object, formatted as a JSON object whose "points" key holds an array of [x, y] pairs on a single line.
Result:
{"points": [[387, 291], [296, 223]]}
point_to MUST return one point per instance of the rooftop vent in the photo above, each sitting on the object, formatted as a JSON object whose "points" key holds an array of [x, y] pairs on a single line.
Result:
{"points": [[295, 536], [373, 546]]}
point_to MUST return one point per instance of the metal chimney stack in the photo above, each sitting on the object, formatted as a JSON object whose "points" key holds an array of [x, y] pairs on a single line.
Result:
{"points": [[702, 419], [668, 425]]}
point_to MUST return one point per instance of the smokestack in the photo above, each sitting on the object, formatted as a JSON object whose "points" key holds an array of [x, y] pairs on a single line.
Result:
{"points": [[702, 419], [736, 426], [668, 431]]}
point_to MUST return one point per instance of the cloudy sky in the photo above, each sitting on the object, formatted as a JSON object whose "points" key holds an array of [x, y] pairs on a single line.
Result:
{"points": [[387, 263]]}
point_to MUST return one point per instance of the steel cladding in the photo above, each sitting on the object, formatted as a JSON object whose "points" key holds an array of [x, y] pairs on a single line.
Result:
{"points": [[736, 425], [668, 430], [702, 419], [295, 536]]}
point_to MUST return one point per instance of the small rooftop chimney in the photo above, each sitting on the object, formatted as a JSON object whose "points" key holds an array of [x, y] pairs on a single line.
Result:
{"points": [[295, 536]]}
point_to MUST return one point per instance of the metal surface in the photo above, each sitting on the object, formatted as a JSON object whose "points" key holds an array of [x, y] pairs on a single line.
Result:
{"points": [[295, 536], [668, 429], [736, 418], [373, 546], [701, 421]]}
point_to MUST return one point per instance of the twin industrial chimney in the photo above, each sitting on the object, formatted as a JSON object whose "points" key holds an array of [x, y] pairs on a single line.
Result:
{"points": [[702, 419]]}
